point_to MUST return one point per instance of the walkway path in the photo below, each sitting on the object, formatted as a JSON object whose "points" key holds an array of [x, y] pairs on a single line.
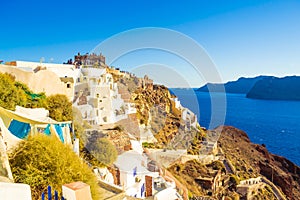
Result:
{"points": [[227, 167], [278, 194], [183, 189]]}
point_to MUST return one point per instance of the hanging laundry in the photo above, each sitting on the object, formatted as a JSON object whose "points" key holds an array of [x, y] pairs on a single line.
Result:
{"points": [[59, 132], [19, 129]]}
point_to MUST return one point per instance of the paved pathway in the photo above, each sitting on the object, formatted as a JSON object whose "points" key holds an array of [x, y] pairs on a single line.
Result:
{"points": [[227, 167], [278, 194]]}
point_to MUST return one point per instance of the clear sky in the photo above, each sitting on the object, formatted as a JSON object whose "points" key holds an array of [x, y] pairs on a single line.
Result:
{"points": [[243, 37]]}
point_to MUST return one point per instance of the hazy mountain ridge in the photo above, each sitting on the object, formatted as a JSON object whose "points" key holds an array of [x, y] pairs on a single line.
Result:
{"points": [[241, 86], [273, 88], [260, 87]]}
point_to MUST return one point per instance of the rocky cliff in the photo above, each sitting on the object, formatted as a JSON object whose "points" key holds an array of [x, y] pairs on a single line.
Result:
{"points": [[219, 175], [253, 160], [157, 120], [239, 161], [248, 160]]}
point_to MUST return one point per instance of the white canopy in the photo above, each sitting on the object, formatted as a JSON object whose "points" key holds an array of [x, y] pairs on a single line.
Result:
{"points": [[32, 116]]}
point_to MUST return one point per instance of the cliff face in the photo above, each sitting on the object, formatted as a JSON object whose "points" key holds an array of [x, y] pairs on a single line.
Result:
{"points": [[251, 159], [276, 89], [157, 120], [157, 114]]}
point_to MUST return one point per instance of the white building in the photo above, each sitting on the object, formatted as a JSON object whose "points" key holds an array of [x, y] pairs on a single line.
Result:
{"points": [[97, 97], [177, 102], [44, 77], [187, 115], [135, 178], [15, 191], [168, 194]]}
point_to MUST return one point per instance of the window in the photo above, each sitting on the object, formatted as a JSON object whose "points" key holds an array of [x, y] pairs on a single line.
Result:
{"points": [[137, 179], [105, 119], [68, 85]]}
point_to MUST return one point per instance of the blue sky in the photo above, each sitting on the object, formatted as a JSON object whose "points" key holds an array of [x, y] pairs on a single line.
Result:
{"points": [[243, 38]]}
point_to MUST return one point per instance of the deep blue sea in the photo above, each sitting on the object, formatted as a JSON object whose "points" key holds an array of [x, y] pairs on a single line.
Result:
{"points": [[273, 123]]}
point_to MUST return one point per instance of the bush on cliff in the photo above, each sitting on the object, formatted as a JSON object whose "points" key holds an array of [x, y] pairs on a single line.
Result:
{"points": [[13, 93], [43, 160], [10, 95], [60, 108], [103, 151]]}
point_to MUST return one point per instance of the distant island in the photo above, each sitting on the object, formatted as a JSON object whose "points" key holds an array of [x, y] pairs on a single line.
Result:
{"points": [[241, 86], [261, 87], [273, 88]]}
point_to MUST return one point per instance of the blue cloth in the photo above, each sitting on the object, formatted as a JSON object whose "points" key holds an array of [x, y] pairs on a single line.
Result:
{"points": [[134, 171], [19, 129], [47, 130], [142, 190], [63, 125], [71, 131], [59, 132]]}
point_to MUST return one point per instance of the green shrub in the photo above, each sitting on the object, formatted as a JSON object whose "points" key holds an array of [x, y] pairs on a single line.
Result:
{"points": [[148, 145], [13, 93], [103, 151], [10, 95], [60, 108], [217, 165], [43, 160]]}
